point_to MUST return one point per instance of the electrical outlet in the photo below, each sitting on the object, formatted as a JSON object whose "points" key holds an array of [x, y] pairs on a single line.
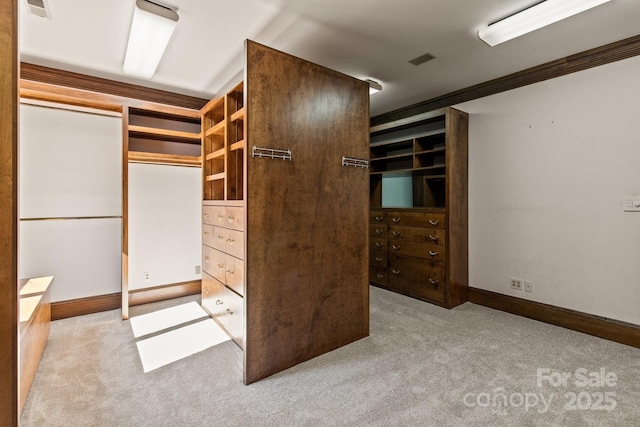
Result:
{"points": [[516, 284], [197, 269], [528, 286], [147, 276]]}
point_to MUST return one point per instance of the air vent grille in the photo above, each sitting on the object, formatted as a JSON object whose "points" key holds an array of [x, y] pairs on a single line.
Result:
{"points": [[39, 8], [422, 59]]}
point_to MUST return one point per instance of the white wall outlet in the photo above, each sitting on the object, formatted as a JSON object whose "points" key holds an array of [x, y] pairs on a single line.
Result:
{"points": [[516, 284], [147, 276], [631, 204], [197, 269], [528, 286]]}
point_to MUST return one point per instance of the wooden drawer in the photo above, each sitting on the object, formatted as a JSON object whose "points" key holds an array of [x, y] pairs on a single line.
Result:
{"points": [[378, 259], [378, 244], [378, 230], [417, 219], [211, 292], [234, 243], [234, 218], [234, 274], [433, 236], [231, 315], [377, 217], [213, 215], [420, 279], [219, 238], [208, 235], [420, 250], [378, 275], [213, 263]]}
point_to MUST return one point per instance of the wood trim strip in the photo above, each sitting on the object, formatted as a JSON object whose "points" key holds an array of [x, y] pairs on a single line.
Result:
{"points": [[9, 99], [164, 159], [613, 330], [95, 84], [161, 293], [82, 306], [595, 57]]}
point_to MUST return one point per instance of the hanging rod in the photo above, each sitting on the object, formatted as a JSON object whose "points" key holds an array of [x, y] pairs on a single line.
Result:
{"points": [[271, 153], [356, 163]]}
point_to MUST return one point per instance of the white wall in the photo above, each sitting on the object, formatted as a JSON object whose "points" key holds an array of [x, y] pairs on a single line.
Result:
{"points": [[549, 165], [165, 224]]}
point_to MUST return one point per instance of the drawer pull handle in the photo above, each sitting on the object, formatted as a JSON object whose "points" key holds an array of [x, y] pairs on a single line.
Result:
{"points": [[433, 282], [230, 241], [206, 233], [219, 302], [396, 247], [379, 218], [220, 266], [379, 275], [379, 259], [220, 237], [379, 245], [205, 291], [433, 253], [206, 259], [396, 233], [433, 238], [434, 222], [229, 312], [231, 272], [396, 220], [230, 219], [379, 231], [396, 272], [220, 218], [206, 216]]}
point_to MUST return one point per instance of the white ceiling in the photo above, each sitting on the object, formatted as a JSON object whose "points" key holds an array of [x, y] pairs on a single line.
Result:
{"points": [[363, 38]]}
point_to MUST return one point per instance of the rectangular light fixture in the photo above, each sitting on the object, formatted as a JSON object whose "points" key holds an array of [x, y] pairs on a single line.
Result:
{"points": [[533, 18], [151, 30], [374, 87]]}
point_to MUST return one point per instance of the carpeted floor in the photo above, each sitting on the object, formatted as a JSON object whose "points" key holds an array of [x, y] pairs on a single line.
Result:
{"points": [[421, 366]]}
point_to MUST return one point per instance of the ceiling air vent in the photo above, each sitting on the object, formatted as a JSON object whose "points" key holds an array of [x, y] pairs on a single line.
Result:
{"points": [[422, 59], [39, 8]]}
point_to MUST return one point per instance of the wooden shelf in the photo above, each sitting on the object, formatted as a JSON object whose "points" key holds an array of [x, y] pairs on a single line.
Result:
{"points": [[238, 115], [216, 154], [215, 177], [164, 159], [394, 157], [217, 129], [154, 133], [237, 145], [434, 151], [392, 171]]}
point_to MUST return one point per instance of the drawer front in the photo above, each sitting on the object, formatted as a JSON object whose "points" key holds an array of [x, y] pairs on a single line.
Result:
{"points": [[378, 259], [208, 235], [433, 236], [378, 244], [219, 238], [234, 218], [417, 219], [378, 230], [378, 275], [231, 315], [421, 279], [234, 274], [377, 217], [420, 250], [213, 215], [234, 243], [213, 263], [211, 292]]}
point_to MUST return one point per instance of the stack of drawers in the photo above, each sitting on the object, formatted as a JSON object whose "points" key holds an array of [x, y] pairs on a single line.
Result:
{"points": [[408, 251], [223, 267]]}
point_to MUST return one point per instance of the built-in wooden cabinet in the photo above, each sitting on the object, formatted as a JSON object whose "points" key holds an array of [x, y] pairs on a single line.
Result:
{"points": [[418, 218], [285, 247]]}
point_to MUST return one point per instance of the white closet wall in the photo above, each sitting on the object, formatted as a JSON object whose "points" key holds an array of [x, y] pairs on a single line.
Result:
{"points": [[70, 195]]}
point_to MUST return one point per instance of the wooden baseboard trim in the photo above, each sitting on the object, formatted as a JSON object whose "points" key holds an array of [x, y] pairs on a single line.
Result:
{"points": [[161, 293], [613, 330], [82, 306]]}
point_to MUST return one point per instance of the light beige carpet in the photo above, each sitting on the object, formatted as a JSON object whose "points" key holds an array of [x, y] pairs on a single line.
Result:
{"points": [[421, 366]]}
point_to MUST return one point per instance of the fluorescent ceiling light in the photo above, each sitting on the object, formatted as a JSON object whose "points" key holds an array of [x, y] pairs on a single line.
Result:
{"points": [[533, 18], [151, 30], [374, 87]]}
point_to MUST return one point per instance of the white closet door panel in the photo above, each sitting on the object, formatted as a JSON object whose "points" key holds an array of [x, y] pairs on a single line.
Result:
{"points": [[70, 163], [84, 255]]}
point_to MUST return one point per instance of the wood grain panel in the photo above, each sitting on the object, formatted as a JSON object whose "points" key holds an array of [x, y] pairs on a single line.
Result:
{"points": [[8, 213], [82, 306], [95, 84], [602, 55], [124, 291], [307, 255], [609, 329]]}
